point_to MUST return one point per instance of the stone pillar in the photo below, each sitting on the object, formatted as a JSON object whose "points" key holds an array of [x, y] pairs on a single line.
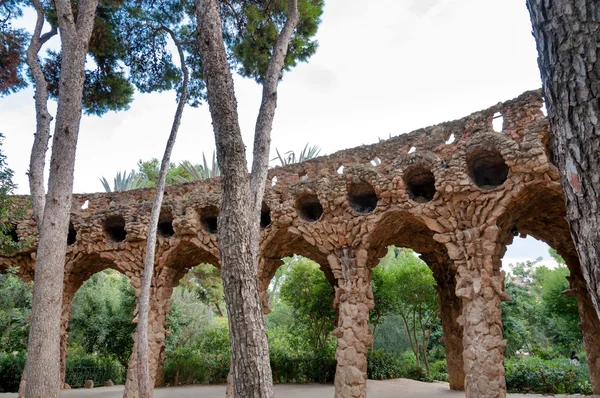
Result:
{"points": [[354, 299], [450, 311], [480, 286], [590, 324], [157, 331]]}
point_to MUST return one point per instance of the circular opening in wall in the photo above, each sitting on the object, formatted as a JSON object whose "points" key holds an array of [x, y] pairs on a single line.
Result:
{"points": [[362, 197], [114, 228], [12, 233], [165, 223], [309, 208], [208, 219], [420, 183], [265, 216], [487, 168], [72, 235]]}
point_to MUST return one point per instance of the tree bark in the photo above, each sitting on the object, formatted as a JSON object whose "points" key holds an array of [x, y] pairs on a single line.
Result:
{"points": [[43, 118], [43, 351], [567, 33], [144, 385], [239, 217]]}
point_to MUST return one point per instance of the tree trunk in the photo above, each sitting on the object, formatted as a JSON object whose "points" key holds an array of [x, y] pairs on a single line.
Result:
{"points": [[567, 34], [239, 217], [144, 385], [43, 118], [43, 351]]}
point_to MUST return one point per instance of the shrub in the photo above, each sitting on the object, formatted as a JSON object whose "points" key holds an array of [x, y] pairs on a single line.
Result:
{"points": [[439, 370], [82, 366], [557, 376], [11, 368], [305, 367]]}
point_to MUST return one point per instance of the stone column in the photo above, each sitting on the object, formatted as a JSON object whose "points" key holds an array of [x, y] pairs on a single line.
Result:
{"points": [[450, 311], [590, 324], [354, 299], [157, 331], [480, 286]]}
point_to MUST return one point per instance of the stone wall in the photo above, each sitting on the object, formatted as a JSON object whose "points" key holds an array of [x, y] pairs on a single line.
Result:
{"points": [[457, 193]]}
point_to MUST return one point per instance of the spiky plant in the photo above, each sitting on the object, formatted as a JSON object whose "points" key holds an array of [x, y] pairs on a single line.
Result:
{"points": [[124, 182], [309, 152], [199, 171]]}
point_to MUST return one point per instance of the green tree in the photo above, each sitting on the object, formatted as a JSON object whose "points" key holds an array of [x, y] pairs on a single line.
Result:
{"points": [[10, 209], [15, 308], [204, 280], [415, 299], [306, 290], [102, 315]]}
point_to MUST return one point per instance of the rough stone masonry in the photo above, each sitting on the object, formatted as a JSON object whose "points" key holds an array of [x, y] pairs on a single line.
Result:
{"points": [[457, 193]]}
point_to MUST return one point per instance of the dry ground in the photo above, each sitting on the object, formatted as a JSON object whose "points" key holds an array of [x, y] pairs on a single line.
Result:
{"points": [[398, 388]]}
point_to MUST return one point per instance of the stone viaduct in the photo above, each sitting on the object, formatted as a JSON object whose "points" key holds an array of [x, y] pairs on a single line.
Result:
{"points": [[457, 193]]}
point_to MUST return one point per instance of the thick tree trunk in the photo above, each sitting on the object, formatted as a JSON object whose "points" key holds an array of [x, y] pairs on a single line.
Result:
{"points": [[43, 118], [242, 194], [250, 350], [43, 351], [567, 33], [144, 385]]}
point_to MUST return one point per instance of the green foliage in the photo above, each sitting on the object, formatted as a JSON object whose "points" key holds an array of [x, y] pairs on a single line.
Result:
{"points": [[290, 156], [540, 319], [11, 209], [82, 366], [306, 290], [15, 308], [556, 376], [102, 315], [382, 365], [251, 29], [124, 182], [307, 367], [13, 44], [11, 368], [407, 288], [199, 172]]}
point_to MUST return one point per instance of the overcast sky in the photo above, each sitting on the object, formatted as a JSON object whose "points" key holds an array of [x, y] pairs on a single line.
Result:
{"points": [[383, 67]]}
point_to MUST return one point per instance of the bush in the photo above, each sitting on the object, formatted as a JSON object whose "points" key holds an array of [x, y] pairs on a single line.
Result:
{"points": [[557, 376], [384, 365], [82, 366], [306, 367], [439, 370], [189, 365], [11, 368]]}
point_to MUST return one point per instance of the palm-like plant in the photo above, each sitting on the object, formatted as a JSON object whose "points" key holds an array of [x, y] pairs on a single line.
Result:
{"points": [[124, 182], [200, 171], [309, 152]]}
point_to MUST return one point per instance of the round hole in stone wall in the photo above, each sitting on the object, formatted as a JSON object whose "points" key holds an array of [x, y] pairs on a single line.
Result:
{"points": [[72, 235], [487, 168], [265, 216], [420, 183], [208, 219], [114, 228], [12, 233], [362, 197], [165, 223], [309, 208]]}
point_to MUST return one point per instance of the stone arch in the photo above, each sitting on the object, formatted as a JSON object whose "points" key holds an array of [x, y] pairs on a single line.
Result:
{"points": [[284, 243], [78, 270], [538, 210], [172, 263], [403, 229]]}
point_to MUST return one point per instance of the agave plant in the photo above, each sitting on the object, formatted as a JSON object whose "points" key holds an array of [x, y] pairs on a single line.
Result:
{"points": [[124, 182], [309, 152], [199, 171]]}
